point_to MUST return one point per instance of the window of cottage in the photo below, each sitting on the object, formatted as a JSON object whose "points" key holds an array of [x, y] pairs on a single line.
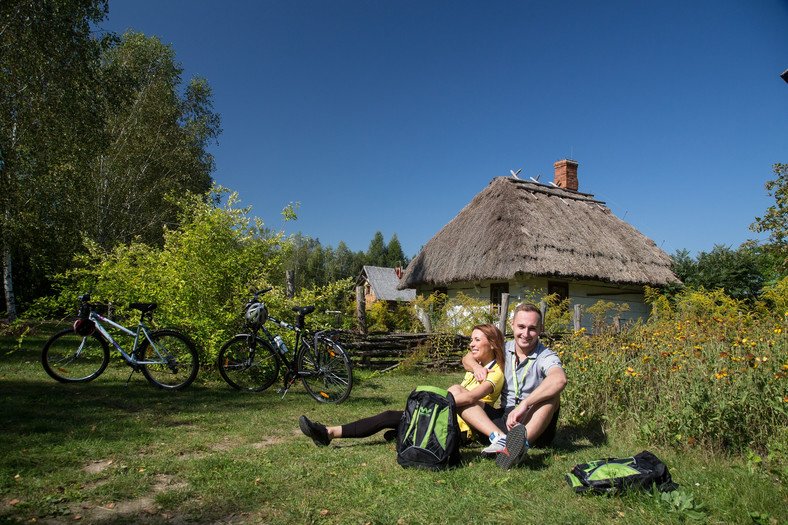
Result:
{"points": [[496, 296]]}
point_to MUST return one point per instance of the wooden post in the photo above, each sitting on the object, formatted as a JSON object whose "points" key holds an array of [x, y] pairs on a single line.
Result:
{"points": [[504, 313], [361, 314], [577, 317], [337, 313], [426, 320], [543, 311], [617, 324], [290, 283]]}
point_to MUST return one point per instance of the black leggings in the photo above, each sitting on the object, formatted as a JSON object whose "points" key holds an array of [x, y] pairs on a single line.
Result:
{"points": [[372, 425]]}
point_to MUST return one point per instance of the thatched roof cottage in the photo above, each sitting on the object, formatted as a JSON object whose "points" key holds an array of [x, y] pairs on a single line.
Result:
{"points": [[519, 236]]}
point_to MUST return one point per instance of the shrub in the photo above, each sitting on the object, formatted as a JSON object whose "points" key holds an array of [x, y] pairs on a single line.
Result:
{"points": [[385, 317], [454, 316], [201, 276]]}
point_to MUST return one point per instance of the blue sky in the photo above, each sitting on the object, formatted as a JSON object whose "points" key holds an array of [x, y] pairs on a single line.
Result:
{"points": [[392, 115]]}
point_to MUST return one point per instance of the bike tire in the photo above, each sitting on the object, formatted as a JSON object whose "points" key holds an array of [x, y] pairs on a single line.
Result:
{"points": [[182, 362], [326, 371], [247, 371], [71, 358]]}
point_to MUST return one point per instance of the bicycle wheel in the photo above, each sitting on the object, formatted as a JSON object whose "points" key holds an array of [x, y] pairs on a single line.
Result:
{"points": [[71, 358], [247, 369], [326, 371], [171, 362]]}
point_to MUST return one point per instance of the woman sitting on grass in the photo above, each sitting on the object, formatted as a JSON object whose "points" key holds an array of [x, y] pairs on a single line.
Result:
{"points": [[486, 347]]}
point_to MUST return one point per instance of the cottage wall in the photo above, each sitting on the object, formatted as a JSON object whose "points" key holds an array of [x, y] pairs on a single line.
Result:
{"points": [[585, 294]]}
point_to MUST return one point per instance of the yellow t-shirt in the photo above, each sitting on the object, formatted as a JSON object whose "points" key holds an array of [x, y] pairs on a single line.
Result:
{"points": [[494, 376]]}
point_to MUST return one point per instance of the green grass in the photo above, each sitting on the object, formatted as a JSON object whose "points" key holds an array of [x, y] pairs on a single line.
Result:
{"points": [[110, 453]]}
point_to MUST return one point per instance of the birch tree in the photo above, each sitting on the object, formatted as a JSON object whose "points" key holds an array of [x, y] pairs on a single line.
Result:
{"points": [[48, 111]]}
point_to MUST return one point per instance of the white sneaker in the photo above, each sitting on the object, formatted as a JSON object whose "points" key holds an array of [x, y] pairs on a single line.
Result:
{"points": [[498, 444]]}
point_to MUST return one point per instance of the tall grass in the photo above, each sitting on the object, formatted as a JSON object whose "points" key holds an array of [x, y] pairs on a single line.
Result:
{"points": [[716, 380]]}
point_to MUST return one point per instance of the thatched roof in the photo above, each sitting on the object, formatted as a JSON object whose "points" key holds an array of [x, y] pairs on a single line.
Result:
{"points": [[519, 227], [384, 283]]}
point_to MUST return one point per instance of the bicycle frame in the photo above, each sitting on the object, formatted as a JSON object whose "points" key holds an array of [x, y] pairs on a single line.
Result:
{"points": [[141, 329], [286, 326]]}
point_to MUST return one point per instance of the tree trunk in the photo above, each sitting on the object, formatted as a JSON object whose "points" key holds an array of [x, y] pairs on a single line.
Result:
{"points": [[361, 313], [8, 282], [290, 284]]}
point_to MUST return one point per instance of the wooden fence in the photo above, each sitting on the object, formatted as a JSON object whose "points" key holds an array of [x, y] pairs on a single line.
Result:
{"points": [[384, 350]]}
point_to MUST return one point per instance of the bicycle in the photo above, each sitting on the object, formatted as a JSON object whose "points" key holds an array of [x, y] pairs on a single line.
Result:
{"points": [[166, 357], [251, 362]]}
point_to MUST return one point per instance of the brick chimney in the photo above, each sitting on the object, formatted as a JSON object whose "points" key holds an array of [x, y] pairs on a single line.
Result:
{"points": [[566, 174]]}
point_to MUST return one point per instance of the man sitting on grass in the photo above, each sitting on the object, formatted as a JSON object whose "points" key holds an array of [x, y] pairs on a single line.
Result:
{"points": [[531, 396]]}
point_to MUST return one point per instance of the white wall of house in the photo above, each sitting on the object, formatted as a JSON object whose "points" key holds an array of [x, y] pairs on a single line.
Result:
{"points": [[584, 293]]}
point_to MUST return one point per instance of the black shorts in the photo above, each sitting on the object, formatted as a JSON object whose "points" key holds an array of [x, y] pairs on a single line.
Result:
{"points": [[499, 415]]}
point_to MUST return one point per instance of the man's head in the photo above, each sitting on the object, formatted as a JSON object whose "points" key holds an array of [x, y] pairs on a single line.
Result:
{"points": [[526, 326]]}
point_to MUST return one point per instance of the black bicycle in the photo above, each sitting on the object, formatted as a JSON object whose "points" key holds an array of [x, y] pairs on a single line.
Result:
{"points": [[251, 362], [166, 357]]}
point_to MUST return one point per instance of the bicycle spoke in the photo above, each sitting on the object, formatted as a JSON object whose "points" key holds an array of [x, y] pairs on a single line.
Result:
{"points": [[247, 369], [72, 358], [325, 371], [171, 360]]}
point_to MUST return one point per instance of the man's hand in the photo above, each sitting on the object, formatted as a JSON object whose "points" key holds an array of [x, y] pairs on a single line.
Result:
{"points": [[516, 415], [471, 365]]}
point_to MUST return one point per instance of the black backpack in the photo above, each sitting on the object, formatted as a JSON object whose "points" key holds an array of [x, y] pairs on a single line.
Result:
{"points": [[428, 435], [612, 475]]}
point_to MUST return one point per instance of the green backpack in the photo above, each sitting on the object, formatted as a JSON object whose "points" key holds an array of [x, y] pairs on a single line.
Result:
{"points": [[428, 435], [612, 475]]}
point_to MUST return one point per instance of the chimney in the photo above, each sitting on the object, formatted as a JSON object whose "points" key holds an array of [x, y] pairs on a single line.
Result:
{"points": [[566, 174]]}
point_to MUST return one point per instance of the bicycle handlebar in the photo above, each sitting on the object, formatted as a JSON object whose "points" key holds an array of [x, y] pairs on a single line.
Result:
{"points": [[261, 292]]}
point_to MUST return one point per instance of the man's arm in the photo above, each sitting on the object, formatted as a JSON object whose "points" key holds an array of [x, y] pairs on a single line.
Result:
{"points": [[551, 387], [471, 365], [463, 396]]}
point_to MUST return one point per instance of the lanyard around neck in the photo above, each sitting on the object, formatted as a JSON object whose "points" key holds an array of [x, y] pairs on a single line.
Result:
{"points": [[514, 375]]}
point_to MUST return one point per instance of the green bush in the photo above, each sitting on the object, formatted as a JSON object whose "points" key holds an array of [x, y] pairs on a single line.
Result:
{"points": [[201, 276], [384, 317]]}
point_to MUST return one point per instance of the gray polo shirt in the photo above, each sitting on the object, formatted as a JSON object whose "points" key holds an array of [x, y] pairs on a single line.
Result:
{"points": [[529, 376]]}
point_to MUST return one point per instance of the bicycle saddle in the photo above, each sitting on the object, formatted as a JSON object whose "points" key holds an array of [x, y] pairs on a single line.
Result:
{"points": [[303, 310], [143, 307]]}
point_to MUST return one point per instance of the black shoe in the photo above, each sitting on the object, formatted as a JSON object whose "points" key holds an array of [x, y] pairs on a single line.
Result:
{"points": [[390, 435], [316, 431], [516, 448]]}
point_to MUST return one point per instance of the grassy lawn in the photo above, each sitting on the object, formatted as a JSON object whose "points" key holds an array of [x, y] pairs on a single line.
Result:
{"points": [[108, 452]]}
